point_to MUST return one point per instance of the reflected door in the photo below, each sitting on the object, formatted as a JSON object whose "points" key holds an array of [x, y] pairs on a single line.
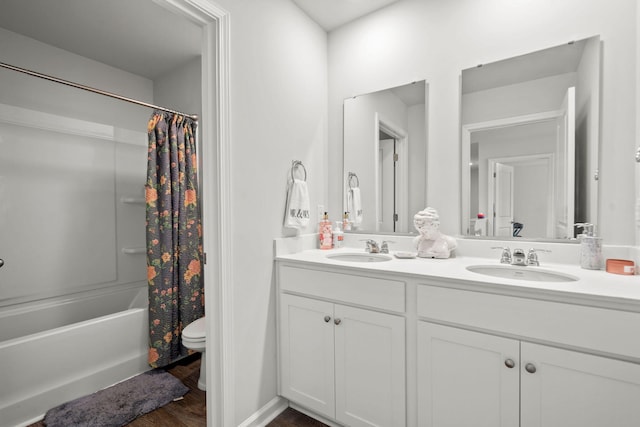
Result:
{"points": [[503, 200], [566, 142], [387, 197]]}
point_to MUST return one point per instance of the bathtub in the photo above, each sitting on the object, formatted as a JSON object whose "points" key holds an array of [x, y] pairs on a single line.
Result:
{"points": [[91, 341]]}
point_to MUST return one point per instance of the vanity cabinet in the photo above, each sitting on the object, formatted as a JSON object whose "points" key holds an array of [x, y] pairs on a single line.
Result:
{"points": [[343, 362], [476, 378]]}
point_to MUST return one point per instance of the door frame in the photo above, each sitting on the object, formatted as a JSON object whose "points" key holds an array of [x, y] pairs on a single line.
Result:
{"points": [[513, 161], [465, 149], [402, 173], [216, 202]]}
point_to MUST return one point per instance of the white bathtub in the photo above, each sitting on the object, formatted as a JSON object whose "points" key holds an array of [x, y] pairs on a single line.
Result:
{"points": [[90, 342]]}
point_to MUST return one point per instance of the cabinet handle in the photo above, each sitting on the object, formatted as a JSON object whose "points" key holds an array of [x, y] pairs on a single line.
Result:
{"points": [[530, 367], [337, 321], [327, 318], [509, 363]]}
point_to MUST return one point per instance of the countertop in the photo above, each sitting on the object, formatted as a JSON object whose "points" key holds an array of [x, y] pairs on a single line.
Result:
{"points": [[593, 287]]}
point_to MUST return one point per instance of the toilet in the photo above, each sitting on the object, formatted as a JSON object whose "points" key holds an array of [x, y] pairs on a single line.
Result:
{"points": [[194, 338]]}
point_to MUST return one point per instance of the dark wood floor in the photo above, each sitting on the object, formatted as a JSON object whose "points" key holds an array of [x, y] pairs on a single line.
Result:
{"points": [[192, 411], [292, 418]]}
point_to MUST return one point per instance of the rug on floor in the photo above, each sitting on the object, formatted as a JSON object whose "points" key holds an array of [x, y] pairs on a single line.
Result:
{"points": [[119, 404]]}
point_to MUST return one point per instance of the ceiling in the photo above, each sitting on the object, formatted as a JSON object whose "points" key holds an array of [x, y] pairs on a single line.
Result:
{"points": [[114, 32], [330, 14], [536, 65], [119, 32]]}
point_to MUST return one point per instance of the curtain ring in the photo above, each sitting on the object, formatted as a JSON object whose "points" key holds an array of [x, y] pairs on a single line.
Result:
{"points": [[295, 164]]}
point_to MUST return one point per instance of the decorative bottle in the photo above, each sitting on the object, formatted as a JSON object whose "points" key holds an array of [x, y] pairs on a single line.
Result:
{"points": [[325, 232], [346, 225], [590, 248]]}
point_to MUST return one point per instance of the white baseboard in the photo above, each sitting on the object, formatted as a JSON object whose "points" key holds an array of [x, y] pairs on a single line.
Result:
{"points": [[267, 413]]}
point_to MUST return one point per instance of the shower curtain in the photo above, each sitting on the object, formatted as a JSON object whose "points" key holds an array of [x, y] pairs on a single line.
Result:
{"points": [[174, 235]]}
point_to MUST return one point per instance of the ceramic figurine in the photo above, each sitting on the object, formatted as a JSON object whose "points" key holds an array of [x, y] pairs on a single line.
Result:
{"points": [[431, 243]]}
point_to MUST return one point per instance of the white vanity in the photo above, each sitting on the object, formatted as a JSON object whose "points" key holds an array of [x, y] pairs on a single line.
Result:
{"points": [[423, 342]]}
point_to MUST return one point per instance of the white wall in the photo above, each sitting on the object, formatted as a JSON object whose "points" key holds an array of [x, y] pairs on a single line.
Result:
{"points": [[434, 40], [278, 114]]}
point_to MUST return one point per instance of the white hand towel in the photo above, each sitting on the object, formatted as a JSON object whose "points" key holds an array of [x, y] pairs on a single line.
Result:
{"points": [[354, 203], [297, 210]]}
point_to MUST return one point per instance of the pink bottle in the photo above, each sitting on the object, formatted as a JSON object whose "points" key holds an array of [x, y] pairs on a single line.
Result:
{"points": [[325, 232]]}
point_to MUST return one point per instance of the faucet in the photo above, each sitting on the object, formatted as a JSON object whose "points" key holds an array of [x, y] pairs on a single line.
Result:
{"points": [[372, 246], [518, 257], [384, 248], [505, 257], [532, 256]]}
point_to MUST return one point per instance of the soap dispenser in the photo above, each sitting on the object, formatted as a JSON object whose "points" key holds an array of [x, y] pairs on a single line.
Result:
{"points": [[590, 247]]}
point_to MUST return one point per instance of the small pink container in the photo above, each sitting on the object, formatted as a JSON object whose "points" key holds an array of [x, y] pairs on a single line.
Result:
{"points": [[621, 266]]}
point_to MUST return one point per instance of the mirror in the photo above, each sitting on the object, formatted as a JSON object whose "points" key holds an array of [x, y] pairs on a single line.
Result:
{"points": [[529, 135], [385, 146]]}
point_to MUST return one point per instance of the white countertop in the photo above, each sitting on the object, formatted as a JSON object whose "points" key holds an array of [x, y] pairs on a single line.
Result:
{"points": [[593, 287]]}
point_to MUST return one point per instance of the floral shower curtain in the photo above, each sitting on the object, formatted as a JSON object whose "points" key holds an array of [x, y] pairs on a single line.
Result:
{"points": [[174, 235]]}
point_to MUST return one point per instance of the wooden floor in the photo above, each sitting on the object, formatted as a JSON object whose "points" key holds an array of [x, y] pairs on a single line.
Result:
{"points": [[292, 418], [192, 411]]}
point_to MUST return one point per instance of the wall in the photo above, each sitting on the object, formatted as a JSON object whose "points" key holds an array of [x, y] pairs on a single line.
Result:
{"points": [[72, 222], [278, 114], [453, 36]]}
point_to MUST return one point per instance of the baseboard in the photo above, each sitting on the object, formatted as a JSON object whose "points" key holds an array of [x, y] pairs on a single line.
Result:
{"points": [[267, 413]]}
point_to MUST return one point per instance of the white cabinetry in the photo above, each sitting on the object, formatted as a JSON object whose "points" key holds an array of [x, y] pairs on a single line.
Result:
{"points": [[469, 378], [570, 388], [343, 362], [463, 379]]}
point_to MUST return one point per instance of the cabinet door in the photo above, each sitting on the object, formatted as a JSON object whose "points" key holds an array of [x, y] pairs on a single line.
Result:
{"points": [[562, 388], [466, 379], [370, 368], [306, 353]]}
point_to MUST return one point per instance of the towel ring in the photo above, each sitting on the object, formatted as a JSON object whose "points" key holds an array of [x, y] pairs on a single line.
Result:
{"points": [[294, 165], [353, 177]]}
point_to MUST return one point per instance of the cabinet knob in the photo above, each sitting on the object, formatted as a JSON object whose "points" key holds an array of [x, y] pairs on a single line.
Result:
{"points": [[509, 363], [327, 318], [337, 321], [530, 367]]}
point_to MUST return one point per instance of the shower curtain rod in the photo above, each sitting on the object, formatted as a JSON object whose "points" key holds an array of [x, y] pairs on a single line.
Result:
{"points": [[193, 117]]}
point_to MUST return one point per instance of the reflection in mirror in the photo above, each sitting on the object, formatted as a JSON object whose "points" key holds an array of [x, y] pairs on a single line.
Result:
{"points": [[385, 143], [530, 131]]}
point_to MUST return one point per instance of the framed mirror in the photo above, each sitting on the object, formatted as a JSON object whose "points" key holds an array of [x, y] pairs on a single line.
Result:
{"points": [[530, 142], [385, 153]]}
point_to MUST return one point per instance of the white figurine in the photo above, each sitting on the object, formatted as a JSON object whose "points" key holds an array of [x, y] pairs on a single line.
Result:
{"points": [[431, 243]]}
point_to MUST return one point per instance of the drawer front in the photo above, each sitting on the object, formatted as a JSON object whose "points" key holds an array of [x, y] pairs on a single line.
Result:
{"points": [[598, 329], [366, 291]]}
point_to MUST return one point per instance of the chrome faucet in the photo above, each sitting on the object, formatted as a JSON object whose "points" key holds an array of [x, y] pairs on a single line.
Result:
{"points": [[372, 246], [532, 256], [505, 257], [384, 249], [518, 257]]}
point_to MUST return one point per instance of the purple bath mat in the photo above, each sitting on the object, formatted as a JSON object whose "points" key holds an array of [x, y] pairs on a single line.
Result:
{"points": [[120, 404]]}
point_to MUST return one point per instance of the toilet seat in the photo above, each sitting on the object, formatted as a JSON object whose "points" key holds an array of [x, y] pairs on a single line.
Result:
{"points": [[195, 331]]}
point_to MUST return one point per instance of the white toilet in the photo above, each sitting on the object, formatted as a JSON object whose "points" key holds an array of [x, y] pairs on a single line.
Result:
{"points": [[194, 338]]}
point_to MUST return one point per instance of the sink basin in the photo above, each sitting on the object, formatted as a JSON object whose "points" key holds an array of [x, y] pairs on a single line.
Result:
{"points": [[534, 274], [359, 257]]}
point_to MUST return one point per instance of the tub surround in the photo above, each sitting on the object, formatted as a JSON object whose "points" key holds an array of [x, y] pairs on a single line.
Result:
{"points": [[380, 341]]}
